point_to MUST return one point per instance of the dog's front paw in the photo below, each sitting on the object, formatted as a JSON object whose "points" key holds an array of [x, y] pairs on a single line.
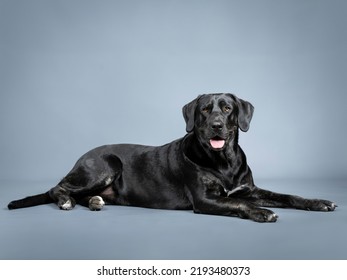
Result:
{"points": [[96, 203], [261, 215], [320, 205]]}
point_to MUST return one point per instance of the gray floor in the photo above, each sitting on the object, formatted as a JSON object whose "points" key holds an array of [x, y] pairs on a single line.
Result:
{"points": [[44, 232]]}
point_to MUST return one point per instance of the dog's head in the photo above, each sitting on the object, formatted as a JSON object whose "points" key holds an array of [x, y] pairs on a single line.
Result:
{"points": [[215, 118]]}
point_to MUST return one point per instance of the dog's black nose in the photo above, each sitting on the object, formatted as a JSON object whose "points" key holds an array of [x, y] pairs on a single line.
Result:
{"points": [[217, 126]]}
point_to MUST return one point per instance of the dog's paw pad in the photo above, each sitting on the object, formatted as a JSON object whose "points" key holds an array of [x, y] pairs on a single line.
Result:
{"points": [[96, 203]]}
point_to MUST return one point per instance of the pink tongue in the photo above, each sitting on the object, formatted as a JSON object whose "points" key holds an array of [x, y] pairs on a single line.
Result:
{"points": [[217, 144]]}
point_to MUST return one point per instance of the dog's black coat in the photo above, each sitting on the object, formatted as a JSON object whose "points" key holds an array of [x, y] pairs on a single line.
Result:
{"points": [[205, 171]]}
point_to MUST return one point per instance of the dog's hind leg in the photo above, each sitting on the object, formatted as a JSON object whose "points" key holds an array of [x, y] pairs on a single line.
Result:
{"points": [[89, 177], [62, 197], [75, 182]]}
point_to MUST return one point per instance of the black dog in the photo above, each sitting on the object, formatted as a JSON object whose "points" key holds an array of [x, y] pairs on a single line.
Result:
{"points": [[205, 171]]}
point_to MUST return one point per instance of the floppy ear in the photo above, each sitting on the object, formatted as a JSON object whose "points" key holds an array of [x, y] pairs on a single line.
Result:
{"points": [[246, 110], [189, 114]]}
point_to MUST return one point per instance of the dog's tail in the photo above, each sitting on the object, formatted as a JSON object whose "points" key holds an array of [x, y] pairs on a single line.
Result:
{"points": [[39, 199]]}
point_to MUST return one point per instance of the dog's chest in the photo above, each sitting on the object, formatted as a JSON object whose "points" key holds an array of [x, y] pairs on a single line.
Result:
{"points": [[231, 180], [228, 179], [223, 180]]}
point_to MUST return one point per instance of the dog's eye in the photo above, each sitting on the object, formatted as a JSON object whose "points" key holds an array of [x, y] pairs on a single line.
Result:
{"points": [[205, 110], [226, 109]]}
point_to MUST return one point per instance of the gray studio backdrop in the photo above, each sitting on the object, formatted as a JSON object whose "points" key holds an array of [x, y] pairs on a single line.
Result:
{"points": [[78, 74]]}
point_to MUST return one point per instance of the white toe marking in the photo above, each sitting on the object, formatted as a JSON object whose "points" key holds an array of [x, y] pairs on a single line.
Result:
{"points": [[67, 205], [101, 201]]}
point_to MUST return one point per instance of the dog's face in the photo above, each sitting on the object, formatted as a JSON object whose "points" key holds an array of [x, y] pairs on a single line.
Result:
{"points": [[215, 118]]}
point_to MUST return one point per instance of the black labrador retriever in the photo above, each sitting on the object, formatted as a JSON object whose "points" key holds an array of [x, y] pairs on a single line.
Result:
{"points": [[205, 171]]}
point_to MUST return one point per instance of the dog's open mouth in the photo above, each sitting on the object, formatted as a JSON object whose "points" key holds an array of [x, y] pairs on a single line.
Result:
{"points": [[217, 142]]}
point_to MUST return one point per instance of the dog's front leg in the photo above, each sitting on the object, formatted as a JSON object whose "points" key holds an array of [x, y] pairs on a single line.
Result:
{"points": [[228, 206], [211, 198], [267, 198]]}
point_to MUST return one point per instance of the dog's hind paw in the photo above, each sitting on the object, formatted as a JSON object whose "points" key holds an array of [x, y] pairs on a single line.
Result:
{"points": [[96, 203], [67, 205]]}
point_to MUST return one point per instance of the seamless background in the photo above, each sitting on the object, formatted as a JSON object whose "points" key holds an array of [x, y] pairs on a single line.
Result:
{"points": [[79, 74]]}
